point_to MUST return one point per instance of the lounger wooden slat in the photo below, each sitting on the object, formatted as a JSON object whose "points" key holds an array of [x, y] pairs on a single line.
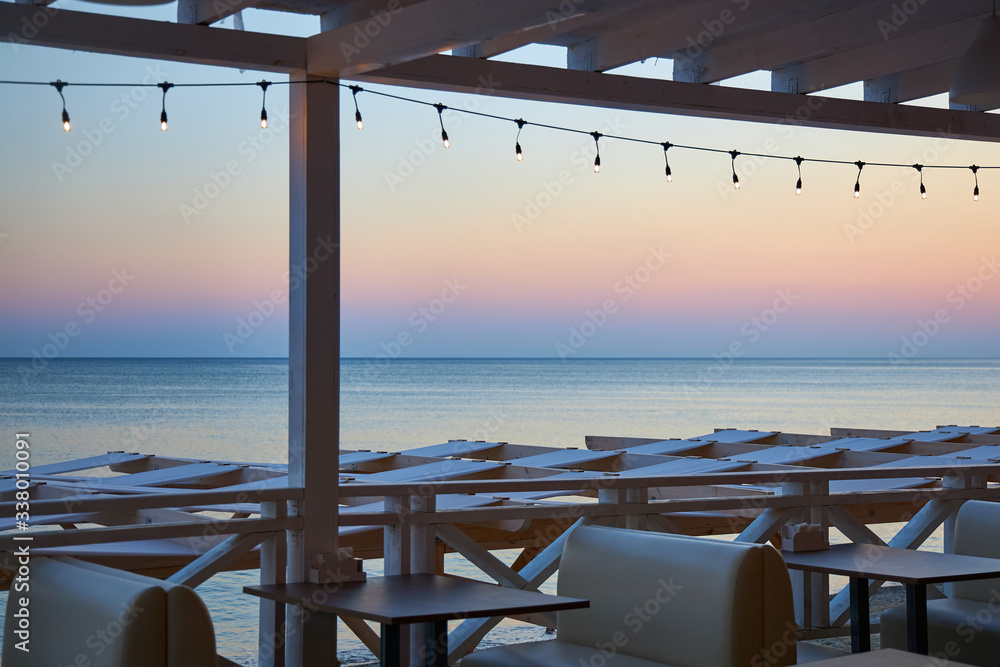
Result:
{"points": [[111, 458]]}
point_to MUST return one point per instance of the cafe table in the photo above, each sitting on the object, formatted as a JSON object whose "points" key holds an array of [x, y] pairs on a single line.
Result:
{"points": [[398, 600], [914, 569]]}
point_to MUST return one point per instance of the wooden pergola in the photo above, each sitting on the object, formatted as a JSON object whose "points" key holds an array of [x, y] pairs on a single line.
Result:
{"points": [[902, 51]]}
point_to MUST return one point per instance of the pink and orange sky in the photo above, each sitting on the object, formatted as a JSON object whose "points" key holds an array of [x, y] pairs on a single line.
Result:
{"points": [[467, 252]]}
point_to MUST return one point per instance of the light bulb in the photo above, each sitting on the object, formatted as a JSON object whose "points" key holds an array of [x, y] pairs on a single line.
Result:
{"points": [[798, 187], [65, 121], [357, 111], [597, 164], [670, 176], [444, 138], [975, 194], [923, 191], [857, 190], [263, 119], [163, 121], [736, 181], [517, 151]]}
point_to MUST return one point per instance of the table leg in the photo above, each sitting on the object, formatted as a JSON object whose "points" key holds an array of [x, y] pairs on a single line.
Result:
{"points": [[916, 618], [436, 644], [861, 634], [390, 645]]}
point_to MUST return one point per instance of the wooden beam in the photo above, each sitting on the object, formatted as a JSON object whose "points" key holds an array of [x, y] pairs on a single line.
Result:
{"points": [[480, 557], [764, 526], [199, 529], [207, 12], [549, 84], [149, 498], [216, 559], [911, 84], [546, 33], [777, 37], [346, 12], [419, 30], [140, 38], [826, 33], [878, 59], [654, 31]]}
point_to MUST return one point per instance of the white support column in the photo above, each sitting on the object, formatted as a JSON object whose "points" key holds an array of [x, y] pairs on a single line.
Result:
{"points": [[612, 497], [314, 346], [422, 541], [396, 550], [820, 515], [636, 497], [802, 588], [271, 644]]}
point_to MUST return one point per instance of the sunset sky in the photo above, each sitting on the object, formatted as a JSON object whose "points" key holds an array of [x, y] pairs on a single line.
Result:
{"points": [[534, 257]]}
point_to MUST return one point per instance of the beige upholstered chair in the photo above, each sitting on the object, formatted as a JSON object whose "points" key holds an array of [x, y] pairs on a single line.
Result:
{"points": [[81, 613], [966, 626], [659, 600]]}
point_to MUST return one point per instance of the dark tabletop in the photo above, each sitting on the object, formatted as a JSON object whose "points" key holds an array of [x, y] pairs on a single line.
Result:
{"points": [[906, 566], [415, 598]]}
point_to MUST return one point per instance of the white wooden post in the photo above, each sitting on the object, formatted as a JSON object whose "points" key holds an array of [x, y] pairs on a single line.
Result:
{"points": [[271, 644], [422, 550], [612, 497], [396, 550], [636, 497], [314, 347], [801, 580], [820, 582]]}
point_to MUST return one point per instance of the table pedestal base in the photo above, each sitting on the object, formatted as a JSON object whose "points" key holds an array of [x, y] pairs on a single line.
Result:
{"points": [[861, 631], [916, 618]]}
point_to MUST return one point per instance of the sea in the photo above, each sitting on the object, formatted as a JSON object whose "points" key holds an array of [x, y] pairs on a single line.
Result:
{"points": [[236, 409]]}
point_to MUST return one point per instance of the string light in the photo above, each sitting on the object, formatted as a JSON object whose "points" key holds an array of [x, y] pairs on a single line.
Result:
{"points": [[357, 112], [59, 85], [444, 135], [163, 111], [263, 110], [517, 141], [920, 170], [597, 144]]}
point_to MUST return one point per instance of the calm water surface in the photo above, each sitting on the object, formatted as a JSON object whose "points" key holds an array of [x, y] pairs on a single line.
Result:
{"points": [[237, 410]]}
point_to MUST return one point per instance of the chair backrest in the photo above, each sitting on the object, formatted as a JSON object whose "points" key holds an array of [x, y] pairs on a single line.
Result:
{"points": [[85, 614], [688, 602], [190, 633], [977, 533]]}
